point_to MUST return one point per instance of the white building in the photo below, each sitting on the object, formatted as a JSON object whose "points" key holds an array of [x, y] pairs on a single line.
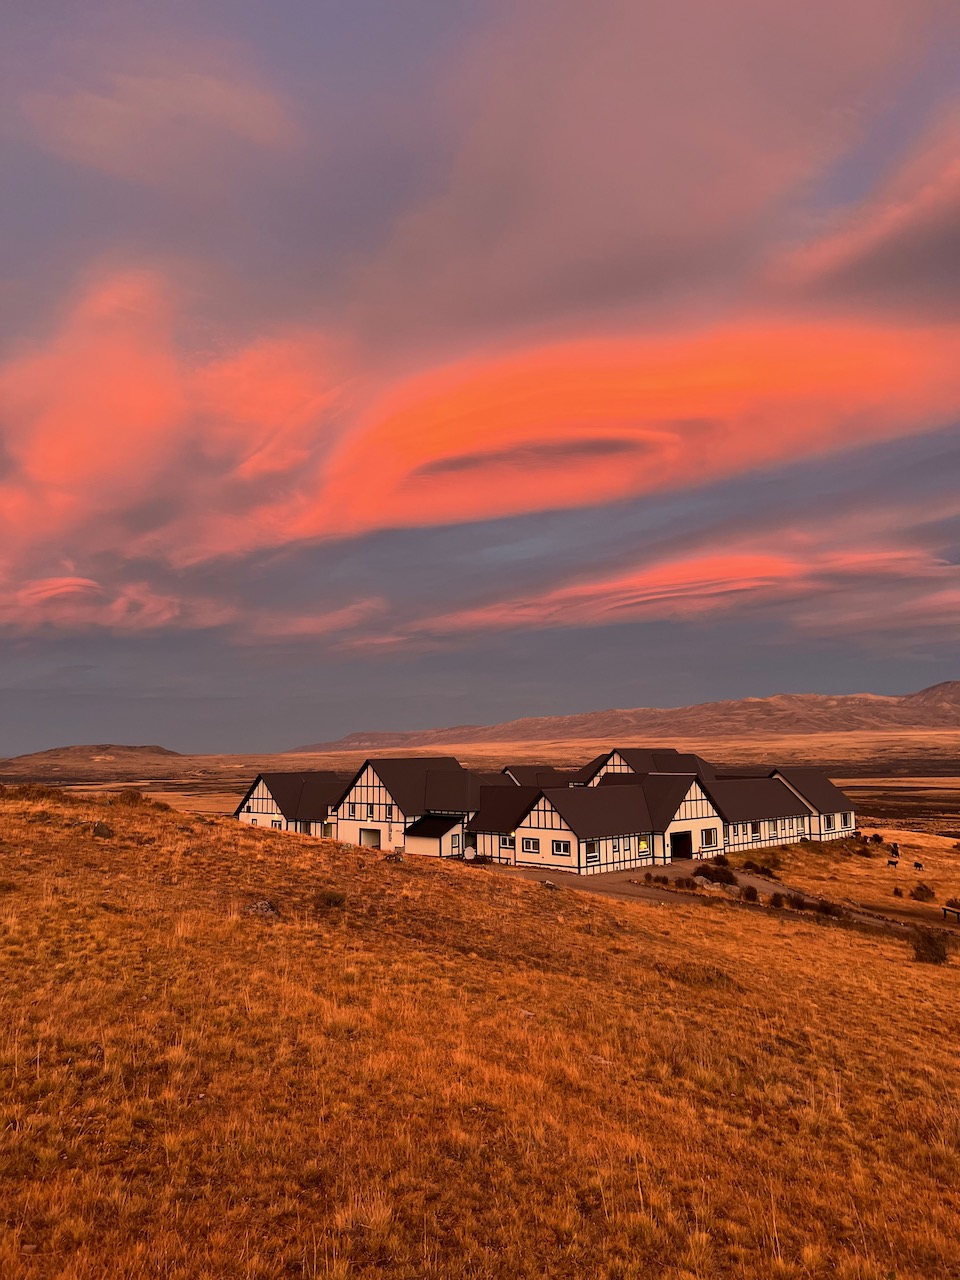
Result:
{"points": [[303, 802]]}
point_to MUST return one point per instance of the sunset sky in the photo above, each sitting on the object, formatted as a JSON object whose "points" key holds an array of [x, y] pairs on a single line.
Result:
{"points": [[372, 364]]}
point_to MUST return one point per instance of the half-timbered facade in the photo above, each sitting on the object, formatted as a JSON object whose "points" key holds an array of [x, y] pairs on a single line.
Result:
{"points": [[387, 795], [831, 813], [304, 802]]}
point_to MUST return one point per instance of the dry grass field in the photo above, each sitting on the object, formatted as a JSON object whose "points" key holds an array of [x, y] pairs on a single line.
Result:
{"points": [[426, 1070], [850, 872]]}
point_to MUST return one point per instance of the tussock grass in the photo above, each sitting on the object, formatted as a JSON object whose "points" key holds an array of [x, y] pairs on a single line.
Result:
{"points": [[446, 1072]]}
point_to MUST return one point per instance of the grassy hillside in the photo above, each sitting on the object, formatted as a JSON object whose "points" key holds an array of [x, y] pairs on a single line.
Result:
{"points": [[425, 1070]]}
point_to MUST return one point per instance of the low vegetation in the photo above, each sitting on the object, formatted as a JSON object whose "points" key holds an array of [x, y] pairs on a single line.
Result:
{"points": [[423, 1070]]}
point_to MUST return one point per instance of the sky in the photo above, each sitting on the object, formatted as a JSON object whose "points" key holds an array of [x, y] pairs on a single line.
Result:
{"points": [[386, 364]]}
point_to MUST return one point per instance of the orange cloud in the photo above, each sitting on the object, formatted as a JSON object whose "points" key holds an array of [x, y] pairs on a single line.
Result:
{"points": [[588, 422]]}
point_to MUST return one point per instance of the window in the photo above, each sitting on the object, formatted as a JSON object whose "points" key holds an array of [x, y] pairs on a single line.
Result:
{"points": [[530, 845], [789, 824], [248, 808], [593, 851], [772, 827], [508, 842], [708, 836], [253, 822], [754, 830], [626, 844], [829, 821], [848, 819], [616, 846], [351, 810], [389, 812], [642, 845], [277, 823], [454, 840], [327, 830], [561, 848], [370, 811]]}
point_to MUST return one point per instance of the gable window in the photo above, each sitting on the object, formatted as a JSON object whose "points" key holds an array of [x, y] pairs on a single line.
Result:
{"points": [[829, 821], [370, 810], [351, 810], [248, 808], [389, 812], [561, 848], [593, 851], [754, 830], [530, 845], [708, 836], [508, 842]]}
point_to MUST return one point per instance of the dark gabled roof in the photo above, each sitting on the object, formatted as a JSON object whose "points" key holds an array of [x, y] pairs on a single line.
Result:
{"points": [[405, 777], [748, 799], [664, 760], [745, 771], [302, 797], [433, 825], [540, 775], [817, 789], [664, 792], [502, 809], [591, 813], [458, 791], [586, 773]]}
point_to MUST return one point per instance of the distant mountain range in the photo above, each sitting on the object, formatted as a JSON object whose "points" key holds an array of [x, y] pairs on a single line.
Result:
{"points": [[937, 707]]}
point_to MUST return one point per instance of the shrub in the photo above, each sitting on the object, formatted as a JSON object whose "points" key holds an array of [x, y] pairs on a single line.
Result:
{"points": [[721, 860], [326, 898], [929, 947], [897, 892], [877, 838], [749, 893], [719, 875], [864, 850], [647, 877], [797, 901], [777, 900], [922, 892], [129, 797], [825, 908]]}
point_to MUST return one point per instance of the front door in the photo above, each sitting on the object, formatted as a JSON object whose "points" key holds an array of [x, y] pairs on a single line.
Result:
{"points": [[681, 845], [370, 837]]}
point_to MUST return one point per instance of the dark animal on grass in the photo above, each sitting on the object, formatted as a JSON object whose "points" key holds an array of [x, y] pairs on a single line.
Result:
{"points": [[918, 866], [892, 862]]}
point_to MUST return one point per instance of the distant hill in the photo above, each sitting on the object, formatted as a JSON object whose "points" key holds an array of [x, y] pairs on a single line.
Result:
{"points": [[937, 707], [99, 760]]}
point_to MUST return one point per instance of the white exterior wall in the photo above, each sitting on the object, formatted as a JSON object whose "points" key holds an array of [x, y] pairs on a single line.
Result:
{"points": [[447, 846], [740, 836], [369, 793], [586, 857], [261, 810], [697, 815], [616, 764], [819, 829]]}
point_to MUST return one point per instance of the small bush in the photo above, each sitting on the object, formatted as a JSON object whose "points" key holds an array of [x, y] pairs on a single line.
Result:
{"points": [[930, 947], [864, 850], [777, 900], [922, 892], [897, 892], [327, 898], [721, 860], [828, 909], [877, 838], [748, 893], [953, 902], [797, 901], [128, 798], [647, 877], [719, 875]]}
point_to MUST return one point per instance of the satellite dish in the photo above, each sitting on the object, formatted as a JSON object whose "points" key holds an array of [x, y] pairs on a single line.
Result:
{"points": [[469, 853]]}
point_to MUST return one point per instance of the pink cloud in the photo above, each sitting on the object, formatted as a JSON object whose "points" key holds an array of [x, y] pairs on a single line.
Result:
{"points": [[162, 124]]}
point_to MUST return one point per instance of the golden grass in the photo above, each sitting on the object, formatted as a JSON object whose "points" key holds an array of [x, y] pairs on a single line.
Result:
{"points": [[842, 871], [456, 1073]]}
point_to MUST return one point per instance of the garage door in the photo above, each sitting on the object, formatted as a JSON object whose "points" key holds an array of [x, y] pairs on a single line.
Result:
{"points": [[370, 837]]}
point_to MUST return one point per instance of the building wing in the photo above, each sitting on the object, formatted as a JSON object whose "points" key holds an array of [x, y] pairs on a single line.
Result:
{"points": [[502, 809], [592, 814], [747, 799], [817, 789]]}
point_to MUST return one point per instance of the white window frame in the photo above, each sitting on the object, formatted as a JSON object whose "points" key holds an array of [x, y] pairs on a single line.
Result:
{"points": [[708, 837], [276, 824], [351, 810], [615, 845], [846, 819], [755, 831], [371, 812], [591, 857], [561, 848], [530, 844], [626, 844], [455, 841], [830, 822], [508, 842], [389, 812]]}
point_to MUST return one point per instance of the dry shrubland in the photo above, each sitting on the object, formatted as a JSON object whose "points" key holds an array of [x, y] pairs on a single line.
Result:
{"points": [[425, 1070]]}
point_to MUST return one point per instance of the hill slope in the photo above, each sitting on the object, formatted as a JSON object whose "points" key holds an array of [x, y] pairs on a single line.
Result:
{"points": [[935, 708], [426, 1070]]}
